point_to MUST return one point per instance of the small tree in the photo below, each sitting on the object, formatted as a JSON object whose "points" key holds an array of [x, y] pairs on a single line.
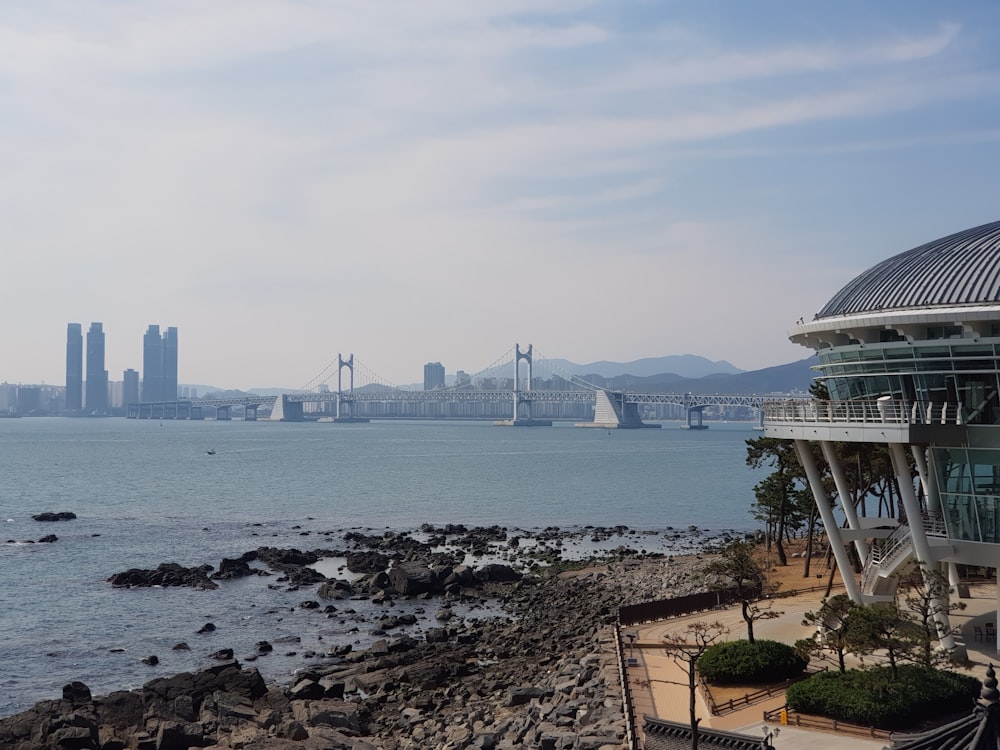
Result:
{"points": [[738, 567], [685, 648], [780, 503], [831, 622], [926, 605], [880, 627]]}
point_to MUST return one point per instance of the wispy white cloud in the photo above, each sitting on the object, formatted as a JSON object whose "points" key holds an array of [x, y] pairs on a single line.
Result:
{"points": [[398, 170]]}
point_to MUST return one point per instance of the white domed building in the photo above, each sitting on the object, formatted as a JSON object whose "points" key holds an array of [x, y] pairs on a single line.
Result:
{"points": [[910, 354]]}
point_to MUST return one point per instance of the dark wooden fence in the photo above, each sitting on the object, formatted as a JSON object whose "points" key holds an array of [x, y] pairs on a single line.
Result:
{"points": [[791, 717], [633, 614]]}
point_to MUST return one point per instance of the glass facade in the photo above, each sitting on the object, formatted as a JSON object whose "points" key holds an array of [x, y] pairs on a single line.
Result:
{"points": [[969, 488], [963, 372]]}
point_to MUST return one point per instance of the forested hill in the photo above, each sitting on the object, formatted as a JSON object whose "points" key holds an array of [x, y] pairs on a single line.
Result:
{"points": [[790, 378]]}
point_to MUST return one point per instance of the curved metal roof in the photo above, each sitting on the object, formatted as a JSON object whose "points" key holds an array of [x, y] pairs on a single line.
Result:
{"points": [[960, 269]]}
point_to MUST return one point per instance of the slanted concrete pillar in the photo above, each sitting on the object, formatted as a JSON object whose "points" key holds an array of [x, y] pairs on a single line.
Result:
{"points": [[921, 547], [829, 521], [843, 490]]}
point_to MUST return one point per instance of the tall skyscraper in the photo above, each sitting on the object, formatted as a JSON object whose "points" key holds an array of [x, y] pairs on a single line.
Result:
{"points": [[130, 387], [159, 364], [74, 367], [97, 376], [152, 365], [169, 372], [433, 376]]}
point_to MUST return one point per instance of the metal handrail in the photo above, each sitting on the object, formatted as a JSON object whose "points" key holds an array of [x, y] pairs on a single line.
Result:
{"points": [[886, 551], [934, 524], [880, 411]]}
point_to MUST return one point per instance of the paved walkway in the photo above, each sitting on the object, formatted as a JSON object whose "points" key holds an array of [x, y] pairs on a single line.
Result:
{"points": [[660, 686]]}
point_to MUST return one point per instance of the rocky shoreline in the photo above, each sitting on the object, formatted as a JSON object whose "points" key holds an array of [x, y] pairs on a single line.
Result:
{"points": [[543, 675]]}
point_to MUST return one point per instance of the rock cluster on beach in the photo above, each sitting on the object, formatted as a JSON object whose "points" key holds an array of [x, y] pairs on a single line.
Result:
{"points": [[545, 675]]}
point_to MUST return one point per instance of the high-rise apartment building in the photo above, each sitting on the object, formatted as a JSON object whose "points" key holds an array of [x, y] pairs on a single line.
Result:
{"points": [[152, 365], [97, 377], [74, 367], [433, 376], [168, 373], [130, 387], [159, 364]]}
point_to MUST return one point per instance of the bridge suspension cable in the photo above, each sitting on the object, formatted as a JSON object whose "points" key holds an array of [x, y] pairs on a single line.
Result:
{"points": [[320, 378], [576, 380], [507, 358], [370, 377]]}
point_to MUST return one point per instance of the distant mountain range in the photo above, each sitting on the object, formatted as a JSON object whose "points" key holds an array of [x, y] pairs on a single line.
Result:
{"points": [[679, 373], [684, 365], [790, 378]]}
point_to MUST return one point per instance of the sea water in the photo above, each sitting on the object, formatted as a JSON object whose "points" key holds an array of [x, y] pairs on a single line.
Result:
{"points": [[147, 492]]}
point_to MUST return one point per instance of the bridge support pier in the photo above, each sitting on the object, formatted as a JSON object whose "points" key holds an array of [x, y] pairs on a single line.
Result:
{"points": [[250, 413], [695, 415], [613, 412], [285, 410], [223, 413]]}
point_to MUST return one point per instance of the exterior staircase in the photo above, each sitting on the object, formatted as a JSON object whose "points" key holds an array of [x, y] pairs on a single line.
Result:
{"points": [[889, 555], [886, 558]]}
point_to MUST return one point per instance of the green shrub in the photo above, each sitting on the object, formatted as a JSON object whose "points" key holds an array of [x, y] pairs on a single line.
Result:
{"points": [[872, 698], [742, 662]]}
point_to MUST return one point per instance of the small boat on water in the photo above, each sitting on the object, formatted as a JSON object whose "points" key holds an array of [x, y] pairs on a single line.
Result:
{"points": [[210, 451]]}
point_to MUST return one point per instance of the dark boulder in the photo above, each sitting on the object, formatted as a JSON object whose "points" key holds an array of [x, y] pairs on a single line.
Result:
{"points": [[54, 516], [498, 573], [520, 695], [166, 574], [277, 558], [334, 589], [303, 576], [412, 578], [367, 562], [229, 569], [76, 693]]}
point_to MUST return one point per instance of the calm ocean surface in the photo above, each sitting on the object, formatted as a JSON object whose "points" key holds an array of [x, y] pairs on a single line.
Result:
{"points": [[146, 492]]}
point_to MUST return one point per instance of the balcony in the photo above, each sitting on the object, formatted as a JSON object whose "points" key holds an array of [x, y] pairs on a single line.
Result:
{"points": [[882, 420]]}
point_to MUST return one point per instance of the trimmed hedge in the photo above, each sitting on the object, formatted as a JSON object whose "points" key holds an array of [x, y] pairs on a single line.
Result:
{"points": [[742, 662], [872, 698]]}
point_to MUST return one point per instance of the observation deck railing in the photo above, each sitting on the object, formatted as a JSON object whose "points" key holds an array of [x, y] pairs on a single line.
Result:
{"points": [[881, 411]]}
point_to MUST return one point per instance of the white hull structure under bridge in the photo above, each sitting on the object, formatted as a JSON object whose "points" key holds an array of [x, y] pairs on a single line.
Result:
{"points": [[613, 412]]}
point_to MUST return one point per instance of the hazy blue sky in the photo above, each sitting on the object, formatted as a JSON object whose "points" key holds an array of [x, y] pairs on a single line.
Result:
{"points": [[417, 181]]}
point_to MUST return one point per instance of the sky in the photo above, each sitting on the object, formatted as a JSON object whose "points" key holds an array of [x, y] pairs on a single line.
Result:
{"points": [[434, 181]]}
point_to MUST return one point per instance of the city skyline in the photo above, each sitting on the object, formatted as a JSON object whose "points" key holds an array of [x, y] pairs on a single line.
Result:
{"points": [[402, 181]]}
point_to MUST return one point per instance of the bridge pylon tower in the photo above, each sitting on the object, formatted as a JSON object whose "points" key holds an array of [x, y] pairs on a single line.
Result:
{"points": [[518, 399], [345, 403], [523, 397], [341, 402]]}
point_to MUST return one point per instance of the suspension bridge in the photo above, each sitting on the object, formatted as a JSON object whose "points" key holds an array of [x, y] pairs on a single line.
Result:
{"points": [[508, 391]]}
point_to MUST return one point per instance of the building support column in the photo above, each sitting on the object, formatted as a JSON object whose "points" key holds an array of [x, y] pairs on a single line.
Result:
{"points": [[921, 547], [829, 521], [850, 512], [930, 492]]}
